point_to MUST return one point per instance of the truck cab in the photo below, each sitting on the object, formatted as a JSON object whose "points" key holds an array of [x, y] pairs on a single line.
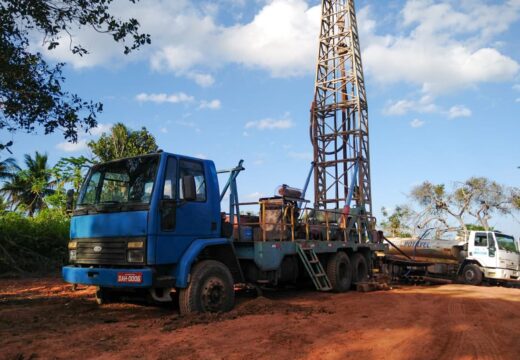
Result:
{"points": [[142, 222], [494, 254]]}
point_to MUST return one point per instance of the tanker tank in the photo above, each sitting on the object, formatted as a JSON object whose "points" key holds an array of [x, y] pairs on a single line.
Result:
{"points": [[428, 250]]}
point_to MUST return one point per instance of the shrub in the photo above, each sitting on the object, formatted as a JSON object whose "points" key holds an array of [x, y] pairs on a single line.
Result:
{"points": [[33, 244]]}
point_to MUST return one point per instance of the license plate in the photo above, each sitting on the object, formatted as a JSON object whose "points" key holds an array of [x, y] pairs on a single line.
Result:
{"points": [[130, 277]]}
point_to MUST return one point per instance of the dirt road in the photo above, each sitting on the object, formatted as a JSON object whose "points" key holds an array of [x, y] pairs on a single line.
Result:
{"points": [[45, 319]]}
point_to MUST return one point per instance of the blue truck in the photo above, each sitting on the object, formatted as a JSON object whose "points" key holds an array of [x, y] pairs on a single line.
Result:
{"points": [[154, 224]]}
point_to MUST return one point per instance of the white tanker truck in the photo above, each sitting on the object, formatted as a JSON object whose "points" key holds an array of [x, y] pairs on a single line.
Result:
{"points": [[481, 255]]}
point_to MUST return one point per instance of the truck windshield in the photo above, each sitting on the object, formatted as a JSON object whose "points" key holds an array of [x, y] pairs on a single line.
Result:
{"points": [[118, 182], [506, 242]]}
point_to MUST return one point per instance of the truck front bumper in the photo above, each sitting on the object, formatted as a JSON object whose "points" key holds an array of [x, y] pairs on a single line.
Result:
{"points": [[502, 274], [129, 278]]}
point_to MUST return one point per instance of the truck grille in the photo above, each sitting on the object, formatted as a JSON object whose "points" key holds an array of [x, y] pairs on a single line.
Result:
{"points": [[103, 251]]}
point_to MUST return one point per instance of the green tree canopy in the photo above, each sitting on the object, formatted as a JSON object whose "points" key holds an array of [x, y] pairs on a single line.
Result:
{"points": [[123, 142], [31, 90], [28, 187], [397, 223]]}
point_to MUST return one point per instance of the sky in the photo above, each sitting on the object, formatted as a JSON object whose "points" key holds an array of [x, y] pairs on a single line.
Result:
{"points": [[233, 79]]}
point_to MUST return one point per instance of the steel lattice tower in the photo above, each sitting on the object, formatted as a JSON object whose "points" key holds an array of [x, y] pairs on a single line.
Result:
{"points": [[339, 116]]}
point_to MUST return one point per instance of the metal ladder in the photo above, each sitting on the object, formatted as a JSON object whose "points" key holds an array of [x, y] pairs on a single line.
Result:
{"points": [[314, 269]]}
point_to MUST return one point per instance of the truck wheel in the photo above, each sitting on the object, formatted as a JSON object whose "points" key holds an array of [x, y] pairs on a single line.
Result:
{"points": [[339, 272], [359, 268], [103, 296], [472, 274], [210, 289]]}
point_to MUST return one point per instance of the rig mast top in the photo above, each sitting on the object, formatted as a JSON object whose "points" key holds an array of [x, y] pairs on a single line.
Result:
{"points": [[339, 116]]}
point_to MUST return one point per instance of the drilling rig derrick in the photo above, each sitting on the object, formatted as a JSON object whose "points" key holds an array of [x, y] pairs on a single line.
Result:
{"points": [[339, 116]]}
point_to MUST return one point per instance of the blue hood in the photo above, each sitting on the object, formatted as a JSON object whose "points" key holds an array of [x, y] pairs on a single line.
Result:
{"points": [[118, 224]]}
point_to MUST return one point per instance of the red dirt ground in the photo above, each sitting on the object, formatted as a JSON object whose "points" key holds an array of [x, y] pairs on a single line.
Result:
{"points": [[45, 319]]}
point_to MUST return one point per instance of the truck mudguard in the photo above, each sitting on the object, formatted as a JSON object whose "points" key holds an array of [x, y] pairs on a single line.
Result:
{"points": [[182, 270]]}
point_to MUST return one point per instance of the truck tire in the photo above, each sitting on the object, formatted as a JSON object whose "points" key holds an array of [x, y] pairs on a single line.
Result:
{"points": [[210, 289], [359, 268], [472, 275], [339, 272], [104, 296]]}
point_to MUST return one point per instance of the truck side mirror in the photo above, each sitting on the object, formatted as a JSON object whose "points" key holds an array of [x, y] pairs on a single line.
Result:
{"points": [[189, 190], [69, 205]]}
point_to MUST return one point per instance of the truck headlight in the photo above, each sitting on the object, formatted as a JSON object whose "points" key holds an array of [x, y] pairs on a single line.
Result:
{"points": [[135, 244], [72, 255], [135, 256], [73, 245]]}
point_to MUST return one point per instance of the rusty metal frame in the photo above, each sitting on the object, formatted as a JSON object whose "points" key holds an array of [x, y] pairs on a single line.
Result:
{"points": [[339, 115]]}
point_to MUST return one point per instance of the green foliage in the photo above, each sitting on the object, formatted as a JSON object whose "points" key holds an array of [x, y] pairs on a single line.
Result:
{"points": [[397, 223], [123, 142], [27, 188], [7, 168], [515, 198], [72, 170], [428, 193], [33, 244], [57, 200], [476, 227], [3, 205], [30, 89]]}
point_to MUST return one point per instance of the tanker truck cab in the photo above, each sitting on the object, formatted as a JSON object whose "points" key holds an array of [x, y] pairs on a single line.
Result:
{"points": [[146, 224], [491, 255]]}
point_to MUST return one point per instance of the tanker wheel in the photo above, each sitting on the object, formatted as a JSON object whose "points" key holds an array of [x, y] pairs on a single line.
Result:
{"points": [[339, 272], [472, 274], [210, 289], [359, 268]]}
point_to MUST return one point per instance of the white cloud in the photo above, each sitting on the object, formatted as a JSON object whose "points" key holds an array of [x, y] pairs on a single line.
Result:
{"points": [[441, 47], [438, 46], [270, 124], [424, 105], [300, 155], [459, 111], [517, 100], [282, 39], [417, 123], [163, 130], [72, 147], [164, 98], [201, 156], [213, 104], [516, 87], [100, 129], [204, 80], [188, 40]]}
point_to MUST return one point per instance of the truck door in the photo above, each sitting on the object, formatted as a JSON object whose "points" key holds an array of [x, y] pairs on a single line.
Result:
{"points": [[181, 221], [507, 252], [482, 248], [194, 218]]}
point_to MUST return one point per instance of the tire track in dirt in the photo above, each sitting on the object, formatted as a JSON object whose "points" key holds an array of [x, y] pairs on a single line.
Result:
{"points": [[486, 344], [454, 337]]}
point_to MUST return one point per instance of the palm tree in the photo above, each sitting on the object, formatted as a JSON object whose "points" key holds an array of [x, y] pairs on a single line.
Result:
{"points": [[29, 186], [7, 168]]}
